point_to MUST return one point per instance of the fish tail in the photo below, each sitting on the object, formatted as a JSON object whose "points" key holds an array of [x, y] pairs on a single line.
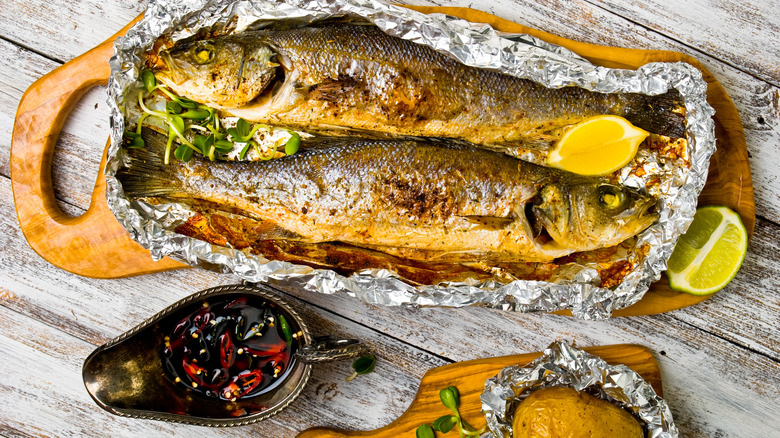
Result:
{"points": [[145, 173], [662, 114]]}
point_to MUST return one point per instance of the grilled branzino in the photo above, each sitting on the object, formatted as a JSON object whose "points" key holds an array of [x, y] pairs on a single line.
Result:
{"points": [[337, 76], [425, 200]]}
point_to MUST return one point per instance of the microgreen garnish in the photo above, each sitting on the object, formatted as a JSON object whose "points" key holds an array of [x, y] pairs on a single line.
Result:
{"points": [[424, 431], [292, 144], [183, 115], [147, 77], [362, 365], [450, 398]]}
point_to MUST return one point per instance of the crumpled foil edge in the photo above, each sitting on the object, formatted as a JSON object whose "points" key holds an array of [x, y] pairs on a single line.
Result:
{"points": [[472, 44], [564, 365]]}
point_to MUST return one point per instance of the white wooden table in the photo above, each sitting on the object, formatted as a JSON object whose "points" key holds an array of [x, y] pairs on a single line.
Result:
{"points": [[720, 360]]}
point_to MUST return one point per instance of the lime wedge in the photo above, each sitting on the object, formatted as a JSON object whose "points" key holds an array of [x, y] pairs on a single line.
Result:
{"points": [[710, 253]]}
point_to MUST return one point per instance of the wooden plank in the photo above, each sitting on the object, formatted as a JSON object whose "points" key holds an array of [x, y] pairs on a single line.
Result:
{"points": [[32, 193], [716, 388], [62, 30], [705, 371], [697, 25], [700, 24]]}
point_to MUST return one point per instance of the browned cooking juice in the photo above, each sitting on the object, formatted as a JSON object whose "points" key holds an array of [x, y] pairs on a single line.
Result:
{"points": [[231, 347]]}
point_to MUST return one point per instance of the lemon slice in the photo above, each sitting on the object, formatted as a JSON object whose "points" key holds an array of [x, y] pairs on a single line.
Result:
{"points": [[597, 146], [710, 253]]}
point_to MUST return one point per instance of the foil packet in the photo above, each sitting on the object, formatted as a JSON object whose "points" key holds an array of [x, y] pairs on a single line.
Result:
{"points": [[564, 365], [575, 287]]}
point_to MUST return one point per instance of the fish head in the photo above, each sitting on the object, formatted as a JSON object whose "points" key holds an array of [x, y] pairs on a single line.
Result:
{"points": [[589, 215], [224, 72]]}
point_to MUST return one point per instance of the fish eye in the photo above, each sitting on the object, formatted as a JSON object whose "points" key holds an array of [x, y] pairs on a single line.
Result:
{"points": [[202, 52], [611, 197]]}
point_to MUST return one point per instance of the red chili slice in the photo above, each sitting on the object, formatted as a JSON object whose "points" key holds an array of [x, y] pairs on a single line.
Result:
{"points": [[227, 350], [259, 348], [248, 381], [193, 371], [202, 318]]}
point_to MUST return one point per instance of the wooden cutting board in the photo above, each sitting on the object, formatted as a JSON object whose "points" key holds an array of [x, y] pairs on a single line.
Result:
{"points": [[95, 244], [469, 377]]}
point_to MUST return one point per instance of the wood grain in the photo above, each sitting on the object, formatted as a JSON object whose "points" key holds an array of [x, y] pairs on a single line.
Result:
{"points": [[719, 359], [747, 26], [469, 377], [88, 245]]}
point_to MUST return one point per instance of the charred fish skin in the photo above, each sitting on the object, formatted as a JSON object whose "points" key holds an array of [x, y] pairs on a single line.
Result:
{"points": [[418, 199], [356, 76]]}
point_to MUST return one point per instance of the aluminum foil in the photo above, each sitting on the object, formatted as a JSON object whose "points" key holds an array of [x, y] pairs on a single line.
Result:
{"points": [[564, 365], [575, 287]]}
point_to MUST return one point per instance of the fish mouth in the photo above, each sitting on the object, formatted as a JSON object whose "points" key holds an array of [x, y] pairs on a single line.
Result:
{"points": [[168, 69], [277, 95], [537, 222], [647, 214]]}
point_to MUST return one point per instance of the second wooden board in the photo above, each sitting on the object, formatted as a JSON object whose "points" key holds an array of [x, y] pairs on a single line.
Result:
{"points": [[469, 377]]}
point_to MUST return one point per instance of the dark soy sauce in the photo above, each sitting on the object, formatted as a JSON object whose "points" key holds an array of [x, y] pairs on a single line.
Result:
{"points": [[231, 347]]}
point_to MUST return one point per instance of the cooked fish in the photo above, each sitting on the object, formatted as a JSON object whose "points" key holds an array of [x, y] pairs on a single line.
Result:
{"points": [[342, 75], [425, 200]]}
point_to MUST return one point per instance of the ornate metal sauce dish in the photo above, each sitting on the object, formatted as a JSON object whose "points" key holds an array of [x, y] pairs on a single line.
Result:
{"points": [[152, 371]]}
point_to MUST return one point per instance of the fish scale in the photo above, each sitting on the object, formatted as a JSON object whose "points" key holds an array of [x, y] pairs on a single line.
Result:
{"points": [[420, 199], [355, 77]]}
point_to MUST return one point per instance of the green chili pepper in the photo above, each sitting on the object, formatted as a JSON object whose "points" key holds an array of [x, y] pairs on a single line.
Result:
{"points": [[285, 329]]}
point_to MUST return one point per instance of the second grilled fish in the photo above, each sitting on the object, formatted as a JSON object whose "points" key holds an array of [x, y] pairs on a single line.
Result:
{"points": [[352, 76], [420, 200]]}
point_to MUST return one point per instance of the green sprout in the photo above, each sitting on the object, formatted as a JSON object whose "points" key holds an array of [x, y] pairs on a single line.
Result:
{"points": [[450, 398], [362, 365], [182, 115]]}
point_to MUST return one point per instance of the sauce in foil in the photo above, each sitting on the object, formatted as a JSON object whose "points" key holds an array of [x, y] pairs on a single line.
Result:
{"points": [[231, 348]]}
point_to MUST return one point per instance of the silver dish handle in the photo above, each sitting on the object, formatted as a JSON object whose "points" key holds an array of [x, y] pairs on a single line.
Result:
{"points": [[328, 349]]}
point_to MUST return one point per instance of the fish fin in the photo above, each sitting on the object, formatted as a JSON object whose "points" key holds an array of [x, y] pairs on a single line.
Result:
{"points": [[145, 174], [281, 25], [221, 227], [662, 114], [490, 222]]}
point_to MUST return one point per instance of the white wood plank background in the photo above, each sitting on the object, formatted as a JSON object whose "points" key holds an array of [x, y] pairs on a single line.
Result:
{"points": [[720, 360]]}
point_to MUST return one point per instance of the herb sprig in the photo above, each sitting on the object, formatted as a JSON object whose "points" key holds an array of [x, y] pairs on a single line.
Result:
{"points": [[450, 398], [182, 115], [362, 365]]}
